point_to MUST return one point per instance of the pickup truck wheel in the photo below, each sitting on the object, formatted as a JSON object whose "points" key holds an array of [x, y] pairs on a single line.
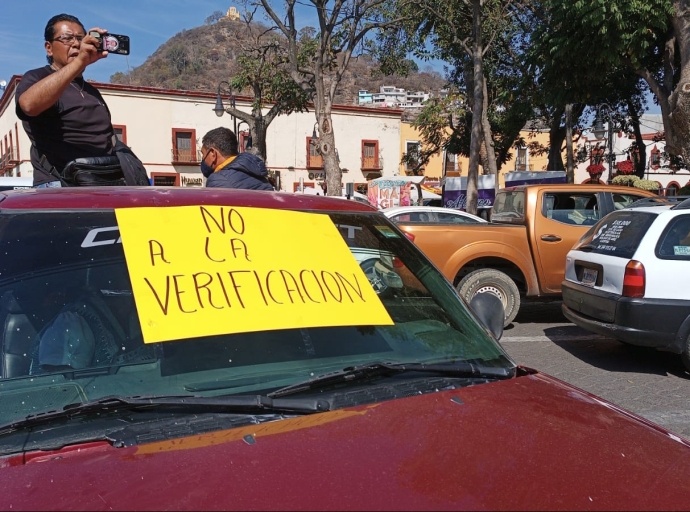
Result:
{"points": [[492, 281]]}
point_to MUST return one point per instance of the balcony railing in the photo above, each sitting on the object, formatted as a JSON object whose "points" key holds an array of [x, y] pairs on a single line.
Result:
{"points": [[186, 156], [314, 161], [9, 159], [372, 164]]}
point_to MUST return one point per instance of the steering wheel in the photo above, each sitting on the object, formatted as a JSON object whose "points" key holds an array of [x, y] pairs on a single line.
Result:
{"points": [[369, 269]]}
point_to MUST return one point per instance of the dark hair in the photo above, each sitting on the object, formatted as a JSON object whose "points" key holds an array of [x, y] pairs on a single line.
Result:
{"points": [[49, 32], [223, 139]]}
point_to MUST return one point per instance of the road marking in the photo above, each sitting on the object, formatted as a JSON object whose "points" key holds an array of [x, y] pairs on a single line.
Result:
{"points": [[567, 337]]}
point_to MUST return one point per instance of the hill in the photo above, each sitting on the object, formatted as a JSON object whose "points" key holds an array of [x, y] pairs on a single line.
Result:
{"points": [[200, 58]]}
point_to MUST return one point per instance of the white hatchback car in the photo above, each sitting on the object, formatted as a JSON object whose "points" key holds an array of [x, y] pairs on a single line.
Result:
{"points": [[430, 215], [629, 276]]}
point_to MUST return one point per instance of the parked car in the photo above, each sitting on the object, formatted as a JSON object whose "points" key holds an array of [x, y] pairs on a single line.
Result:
{"points": [[430, 215], [221, 349], [629, 277]]}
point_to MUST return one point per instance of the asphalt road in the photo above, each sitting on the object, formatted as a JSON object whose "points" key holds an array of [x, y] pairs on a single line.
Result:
{"points": [[652, 384]]}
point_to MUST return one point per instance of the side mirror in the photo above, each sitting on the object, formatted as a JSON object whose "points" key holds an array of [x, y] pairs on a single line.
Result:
{"points": [[489, 310]]}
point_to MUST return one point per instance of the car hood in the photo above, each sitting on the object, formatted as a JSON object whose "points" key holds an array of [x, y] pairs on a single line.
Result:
{"points": [[528, 443]]}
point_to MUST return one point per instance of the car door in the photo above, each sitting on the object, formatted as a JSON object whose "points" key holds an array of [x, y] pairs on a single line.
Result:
{"points": [[562, 217]]}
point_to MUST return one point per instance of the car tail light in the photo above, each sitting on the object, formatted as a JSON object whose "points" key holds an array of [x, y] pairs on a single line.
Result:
{"points": [[409, 236], [397, 263], [634, 279]]}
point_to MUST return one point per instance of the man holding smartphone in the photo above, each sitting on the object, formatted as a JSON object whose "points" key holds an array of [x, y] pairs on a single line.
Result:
{"points": [[64, 116]]}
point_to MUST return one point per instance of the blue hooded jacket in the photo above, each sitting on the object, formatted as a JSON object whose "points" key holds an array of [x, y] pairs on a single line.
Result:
{"points": [[246, 171]]}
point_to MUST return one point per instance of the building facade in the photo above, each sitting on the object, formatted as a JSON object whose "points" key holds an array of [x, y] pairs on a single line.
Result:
{"points": [[448, 164], [658, 164], [164, 128]]}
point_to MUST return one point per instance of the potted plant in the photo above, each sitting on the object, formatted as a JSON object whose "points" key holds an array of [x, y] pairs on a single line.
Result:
{"points": [[595, 171], [627, 180], [650, 185], [626, 167]]}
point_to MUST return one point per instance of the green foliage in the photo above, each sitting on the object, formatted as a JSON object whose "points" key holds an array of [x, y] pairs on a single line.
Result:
{"points": [[684, 190], [442, 29], [585, 43]]}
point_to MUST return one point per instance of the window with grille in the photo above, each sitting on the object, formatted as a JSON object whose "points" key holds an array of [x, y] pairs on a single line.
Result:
{"points": [[412, 152], [184, 147], [370, 154], [521, 160], [120, 133]]}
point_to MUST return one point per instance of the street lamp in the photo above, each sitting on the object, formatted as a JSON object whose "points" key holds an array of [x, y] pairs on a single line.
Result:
{"points": [[599, 132], [219, 109]]}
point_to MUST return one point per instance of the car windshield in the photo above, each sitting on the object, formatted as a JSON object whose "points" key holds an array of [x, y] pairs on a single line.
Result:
{"points": [[72, 329]]}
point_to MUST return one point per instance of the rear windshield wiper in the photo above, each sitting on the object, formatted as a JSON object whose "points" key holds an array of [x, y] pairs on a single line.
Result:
{"points": [[241, 404], [377, 369]]}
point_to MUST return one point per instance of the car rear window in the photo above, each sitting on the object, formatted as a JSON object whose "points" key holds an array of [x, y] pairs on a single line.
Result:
{"points": [[509, 206], [617, 234]]}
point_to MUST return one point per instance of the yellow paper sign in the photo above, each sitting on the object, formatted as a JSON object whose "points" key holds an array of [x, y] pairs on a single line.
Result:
{"points": [[207, 270]]}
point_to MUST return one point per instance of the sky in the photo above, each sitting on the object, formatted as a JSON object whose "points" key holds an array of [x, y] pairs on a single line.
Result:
{"points": [[148, 23]]}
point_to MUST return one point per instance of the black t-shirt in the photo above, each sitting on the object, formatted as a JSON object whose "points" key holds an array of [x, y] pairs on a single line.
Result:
{"points": [[76, 126]]}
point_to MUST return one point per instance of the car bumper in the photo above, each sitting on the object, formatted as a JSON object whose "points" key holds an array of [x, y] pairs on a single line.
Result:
{"points": [[644, 322]]}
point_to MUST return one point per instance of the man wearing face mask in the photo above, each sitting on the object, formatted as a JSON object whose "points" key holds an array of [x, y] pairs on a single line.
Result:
{"points": [[223, 167]]}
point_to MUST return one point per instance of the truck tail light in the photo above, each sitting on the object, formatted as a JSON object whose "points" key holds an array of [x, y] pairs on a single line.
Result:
{"points": [[634, 280]]}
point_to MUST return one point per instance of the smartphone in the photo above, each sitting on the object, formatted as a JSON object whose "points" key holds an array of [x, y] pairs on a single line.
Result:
{"points": [[112, 43]]}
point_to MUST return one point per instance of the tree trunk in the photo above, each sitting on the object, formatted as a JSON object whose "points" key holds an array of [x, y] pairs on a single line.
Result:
{"points": [[680, 100], [326, 146], [556, 136], [491, 167], [641, 162], [570, 161], [258, 134], [477, 108]]}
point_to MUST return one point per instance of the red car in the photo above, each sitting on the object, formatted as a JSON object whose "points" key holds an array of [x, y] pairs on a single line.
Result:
{"points": [[220, 349]]}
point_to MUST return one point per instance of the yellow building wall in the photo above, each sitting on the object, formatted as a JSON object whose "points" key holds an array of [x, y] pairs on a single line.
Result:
{"points": [[434, 169]]}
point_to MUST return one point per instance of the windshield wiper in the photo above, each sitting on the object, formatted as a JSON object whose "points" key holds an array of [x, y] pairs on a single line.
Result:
{"points": [[379, 369], [242, 404]]}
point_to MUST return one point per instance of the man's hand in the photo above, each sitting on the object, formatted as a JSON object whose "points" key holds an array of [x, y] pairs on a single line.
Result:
{"points": [[88, 49]]}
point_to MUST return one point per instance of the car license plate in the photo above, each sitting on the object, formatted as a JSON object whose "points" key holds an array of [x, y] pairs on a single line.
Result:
{"points": [[589, 276]]}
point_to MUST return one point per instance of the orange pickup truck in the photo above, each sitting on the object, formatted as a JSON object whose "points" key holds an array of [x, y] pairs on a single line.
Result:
{"points": [[521, 252]]}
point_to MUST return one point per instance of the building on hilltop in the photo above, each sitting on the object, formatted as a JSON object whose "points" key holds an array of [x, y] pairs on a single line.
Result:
{"points": [[232, 14], [389, 96]]}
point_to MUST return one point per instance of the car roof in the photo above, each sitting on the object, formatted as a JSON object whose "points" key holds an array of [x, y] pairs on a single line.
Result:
{"points": [[442, 209], [577, 188], [131, 197]]}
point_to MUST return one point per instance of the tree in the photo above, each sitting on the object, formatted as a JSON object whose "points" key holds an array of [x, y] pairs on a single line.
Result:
{"points": [[649, 37], [263, 70], [467, 35], [214, 17], [317, 60]]}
